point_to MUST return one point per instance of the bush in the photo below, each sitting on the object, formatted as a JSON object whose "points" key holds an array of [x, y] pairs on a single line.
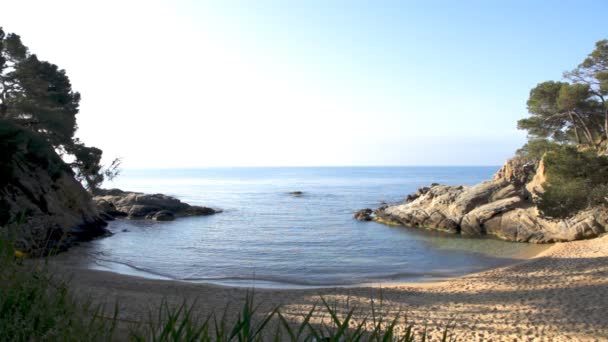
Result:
{"points": [[34, 305], [575, 180]]}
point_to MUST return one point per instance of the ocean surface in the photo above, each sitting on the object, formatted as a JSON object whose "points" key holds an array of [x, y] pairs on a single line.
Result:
{"points": [[266, 237]]}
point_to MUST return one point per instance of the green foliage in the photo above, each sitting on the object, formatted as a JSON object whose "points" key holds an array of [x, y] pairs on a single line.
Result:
{"points": [[180, 324], [35, 306], [17, 144], [38, 96], [534, 150], [572, 112], [575, 180], [564, 112]]}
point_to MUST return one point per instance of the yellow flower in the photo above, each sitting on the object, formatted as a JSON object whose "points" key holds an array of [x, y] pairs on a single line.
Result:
{"points": [[20, 254]]}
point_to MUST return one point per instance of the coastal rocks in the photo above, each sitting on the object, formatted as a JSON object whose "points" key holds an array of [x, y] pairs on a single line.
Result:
{"points": [[472, 222], [526, 225], [502, 207], [363, 215], [163, 215], [296, 193], [535, 187], [37, 185], [135, 205], [515, 171], [442, 207]]}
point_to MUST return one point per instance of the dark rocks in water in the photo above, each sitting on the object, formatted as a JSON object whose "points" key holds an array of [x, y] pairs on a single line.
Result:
{"points": [[162, 215], [135, 205], [108, 210], [200, 211], [142, 210], [296, 193], [363, 215]]}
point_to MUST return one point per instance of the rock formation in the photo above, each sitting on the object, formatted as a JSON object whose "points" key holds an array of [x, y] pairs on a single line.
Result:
{"points": [[364, 215], [502, 207], [134, 205], [41, 203]]}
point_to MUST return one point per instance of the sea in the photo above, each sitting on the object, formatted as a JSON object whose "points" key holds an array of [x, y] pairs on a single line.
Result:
{"points": [[266, 237]]}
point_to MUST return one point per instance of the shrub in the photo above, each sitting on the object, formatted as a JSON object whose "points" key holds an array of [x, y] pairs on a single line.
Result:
{"points": [[575, 180], [34, 305]]}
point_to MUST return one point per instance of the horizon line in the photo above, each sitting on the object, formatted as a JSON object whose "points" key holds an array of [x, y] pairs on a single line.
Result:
{"points": [[297, 166]]}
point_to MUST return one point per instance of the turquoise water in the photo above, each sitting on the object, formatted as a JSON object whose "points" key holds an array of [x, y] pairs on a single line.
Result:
{"points": [[266, 237]]}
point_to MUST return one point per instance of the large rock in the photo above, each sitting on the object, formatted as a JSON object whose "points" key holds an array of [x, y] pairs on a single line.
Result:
{"points": [[526, 225], [472, 223], [535, 186], [135, 205], [503, 207], [37, 185], [515, 171]]}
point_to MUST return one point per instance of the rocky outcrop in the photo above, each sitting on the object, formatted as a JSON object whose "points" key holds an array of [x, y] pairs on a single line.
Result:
{"points": [[535, 187], [41, 203], [137, 205], [515, 171], [503, 207], [363, 215], [526, 225]]}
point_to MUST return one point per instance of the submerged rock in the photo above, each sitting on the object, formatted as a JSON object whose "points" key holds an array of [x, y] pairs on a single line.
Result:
{"points": [[502, 207], [296, 193], [134, 205]]}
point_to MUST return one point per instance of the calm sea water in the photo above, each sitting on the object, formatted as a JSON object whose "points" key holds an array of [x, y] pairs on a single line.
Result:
{"points": [[266, 237]]}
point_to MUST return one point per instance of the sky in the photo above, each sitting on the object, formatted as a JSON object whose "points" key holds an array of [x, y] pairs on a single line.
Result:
{"points": [[172, 84]]}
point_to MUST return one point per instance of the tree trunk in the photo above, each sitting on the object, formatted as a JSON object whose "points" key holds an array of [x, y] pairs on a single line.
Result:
{"points": [[586, 130], [578, 137], [606, 122]]}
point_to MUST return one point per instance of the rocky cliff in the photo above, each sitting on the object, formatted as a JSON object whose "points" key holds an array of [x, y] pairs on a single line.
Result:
{"points": [[502, 207], [40, 201]]}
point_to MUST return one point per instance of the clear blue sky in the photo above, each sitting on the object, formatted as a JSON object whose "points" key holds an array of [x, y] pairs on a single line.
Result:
{"points": [[224, 83]]}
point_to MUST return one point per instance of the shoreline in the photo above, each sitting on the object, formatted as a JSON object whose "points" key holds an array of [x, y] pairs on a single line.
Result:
{"points": [[72, 260], [558, 295]]}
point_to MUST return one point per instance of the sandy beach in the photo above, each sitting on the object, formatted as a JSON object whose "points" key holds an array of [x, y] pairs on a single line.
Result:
{"points": [[559, 295]]}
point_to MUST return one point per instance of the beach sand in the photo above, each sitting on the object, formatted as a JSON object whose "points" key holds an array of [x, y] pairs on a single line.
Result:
{"points": [[559, 295]]}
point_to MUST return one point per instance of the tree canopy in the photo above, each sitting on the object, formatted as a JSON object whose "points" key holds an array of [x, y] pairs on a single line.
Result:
{"points": [[38, 96], [575, 110]]}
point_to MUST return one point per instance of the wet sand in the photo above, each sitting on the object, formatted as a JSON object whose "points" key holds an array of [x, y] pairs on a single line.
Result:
{"points": [[560, 294]]}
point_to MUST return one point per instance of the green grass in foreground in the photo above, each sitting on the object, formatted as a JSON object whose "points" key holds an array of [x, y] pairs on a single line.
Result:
{"points": [[36, 306]]}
